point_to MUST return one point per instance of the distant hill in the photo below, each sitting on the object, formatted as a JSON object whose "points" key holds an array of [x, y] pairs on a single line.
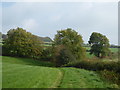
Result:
{"points": [[46, 39]]}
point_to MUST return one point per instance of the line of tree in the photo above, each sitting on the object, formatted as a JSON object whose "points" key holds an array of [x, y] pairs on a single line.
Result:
{"points": [[114, 46], [67, 46], [21, 43]]}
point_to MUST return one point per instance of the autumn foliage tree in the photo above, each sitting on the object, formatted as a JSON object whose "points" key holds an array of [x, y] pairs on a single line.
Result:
{"points": [[99, 45], [72, 41], [21, 43]]}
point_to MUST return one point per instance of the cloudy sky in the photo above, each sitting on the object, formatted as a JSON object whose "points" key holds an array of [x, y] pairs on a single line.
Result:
{"points": [[45, 18]]}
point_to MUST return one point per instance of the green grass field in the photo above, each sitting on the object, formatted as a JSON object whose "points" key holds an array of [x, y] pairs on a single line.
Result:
{"points": [[21, 73], [28, 73], [80, 78], [112, 49], [91, 56]]}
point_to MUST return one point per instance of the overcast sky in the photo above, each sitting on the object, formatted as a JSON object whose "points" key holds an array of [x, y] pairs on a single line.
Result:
{"points": [[45, 18]]}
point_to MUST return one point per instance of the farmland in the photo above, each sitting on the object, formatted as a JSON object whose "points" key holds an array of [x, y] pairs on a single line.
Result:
{"points": [[37, 74], [29, 62], [114, 50], [59, 45]]}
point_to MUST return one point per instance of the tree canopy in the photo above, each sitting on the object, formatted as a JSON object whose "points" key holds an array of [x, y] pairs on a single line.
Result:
{"points": [[99, 44], [71, 40], [22, 43]]}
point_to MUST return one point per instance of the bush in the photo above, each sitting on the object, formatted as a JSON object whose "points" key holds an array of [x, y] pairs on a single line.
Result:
{"points": [[96, 65], [62, 55], [113, 55], [47, 54], [109, 71], [110, 76]]}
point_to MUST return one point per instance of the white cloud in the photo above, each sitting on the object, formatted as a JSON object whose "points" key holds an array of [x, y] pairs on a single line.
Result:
{"points": [[56, 18], [44, 19], [30, 25]]}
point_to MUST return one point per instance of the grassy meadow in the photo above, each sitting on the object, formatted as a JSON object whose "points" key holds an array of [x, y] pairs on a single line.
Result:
{"points": [[34, 73], [29, 73], [111, 49], [56, 45], [114, 50], [37, 74]]}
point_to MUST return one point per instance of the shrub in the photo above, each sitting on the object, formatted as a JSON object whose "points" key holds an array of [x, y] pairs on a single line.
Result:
{"points": [[96, 65], [62, 55], [110, 76], [113, 55], [47, 54]]}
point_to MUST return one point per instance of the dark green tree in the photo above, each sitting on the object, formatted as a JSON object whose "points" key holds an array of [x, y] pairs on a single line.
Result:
{"points": [[4, 36], [72, 40], [62, 55], [47, 53], [22, 43], [99, 45]]}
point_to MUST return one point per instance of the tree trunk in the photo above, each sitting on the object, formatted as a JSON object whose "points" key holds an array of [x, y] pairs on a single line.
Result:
{"points": [[98, 55]]}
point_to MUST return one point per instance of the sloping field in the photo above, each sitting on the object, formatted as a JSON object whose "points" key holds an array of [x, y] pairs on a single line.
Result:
{"points": [[35, 74], [80, 78], [25, 75]]}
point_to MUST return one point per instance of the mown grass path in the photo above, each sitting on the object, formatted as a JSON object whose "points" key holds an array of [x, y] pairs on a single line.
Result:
{"points": [[80, 78], [58, 80], [22, 74]]}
